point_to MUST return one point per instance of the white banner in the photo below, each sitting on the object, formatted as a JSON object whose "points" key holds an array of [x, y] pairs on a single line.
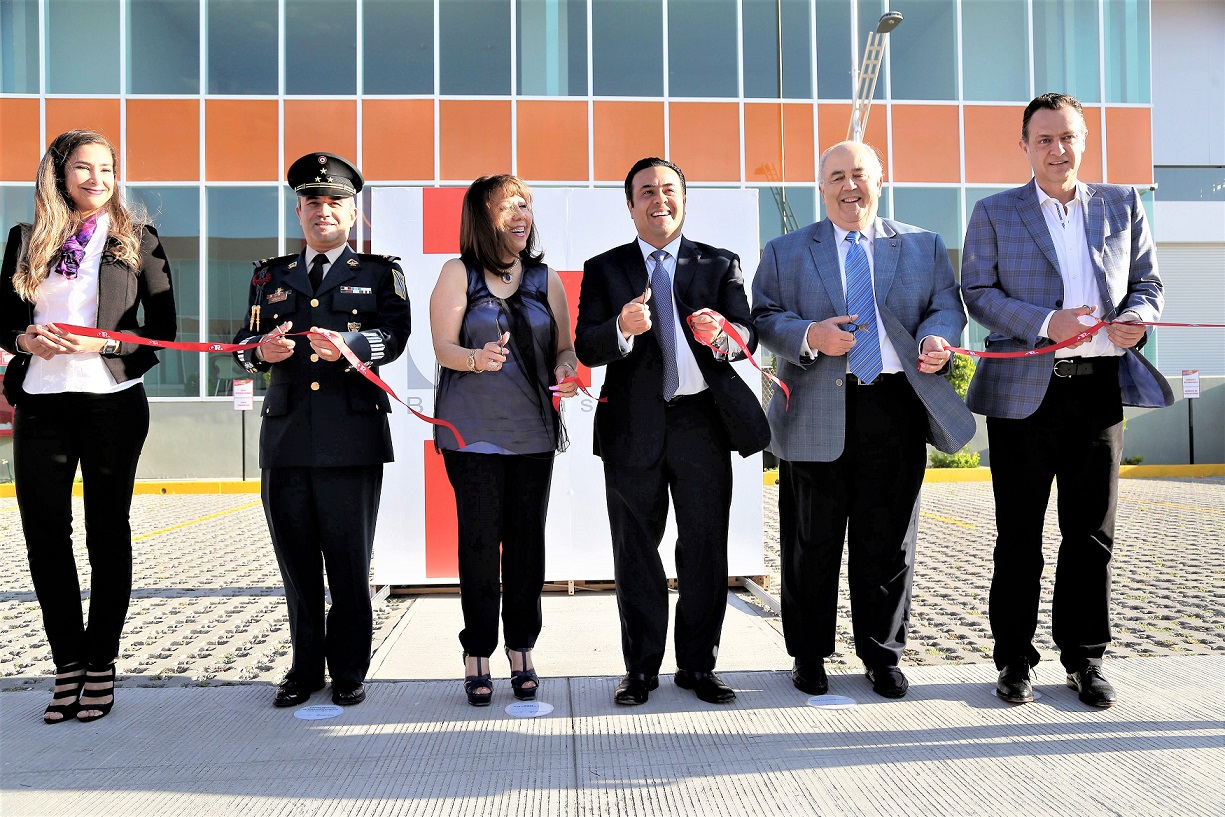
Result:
{"points": [[415, 540]]}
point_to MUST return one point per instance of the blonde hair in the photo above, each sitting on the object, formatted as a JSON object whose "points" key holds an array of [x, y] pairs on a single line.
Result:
{"points": [[56, 218]]}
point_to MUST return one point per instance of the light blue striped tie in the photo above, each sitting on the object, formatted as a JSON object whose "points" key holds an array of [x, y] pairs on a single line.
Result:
{"points": [[661, 293], [864, 357]]}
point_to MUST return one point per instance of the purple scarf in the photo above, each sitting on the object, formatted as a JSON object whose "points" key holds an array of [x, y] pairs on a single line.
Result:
{"points": [[74, 248]]}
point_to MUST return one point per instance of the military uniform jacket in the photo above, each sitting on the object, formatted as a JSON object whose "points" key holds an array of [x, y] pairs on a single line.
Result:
{"points": [[319, 413]]}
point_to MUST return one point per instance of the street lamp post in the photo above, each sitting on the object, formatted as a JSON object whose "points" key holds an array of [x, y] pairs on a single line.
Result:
{"points": [[865, 85]]}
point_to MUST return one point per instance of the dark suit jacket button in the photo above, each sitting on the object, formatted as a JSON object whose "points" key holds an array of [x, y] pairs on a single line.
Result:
{"points": [[838, 382], [1059, 304]]}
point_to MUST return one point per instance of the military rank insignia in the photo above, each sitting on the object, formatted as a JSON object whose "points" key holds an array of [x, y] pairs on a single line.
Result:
{"points": [[401, 289]]}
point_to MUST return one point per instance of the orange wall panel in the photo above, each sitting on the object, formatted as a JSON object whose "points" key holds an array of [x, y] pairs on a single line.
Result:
{"points": [[20, 152], [706, 140], [398, 139], [624, 133], [926, 143], [832, 121], [1129, 145], [761, 142], [319, 125], [163, 139], [473, 138], [1091, 164], [552, 140], [100, 115], [240, 140], [993, 151]]}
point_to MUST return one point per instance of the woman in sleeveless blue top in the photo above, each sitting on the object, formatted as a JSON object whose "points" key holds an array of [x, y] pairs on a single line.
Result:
{"points": [[501, 331]]}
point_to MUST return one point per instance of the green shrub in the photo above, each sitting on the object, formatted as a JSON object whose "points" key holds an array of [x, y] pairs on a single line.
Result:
{"points": [[960, 375], [965, 458], [1133, 460]]}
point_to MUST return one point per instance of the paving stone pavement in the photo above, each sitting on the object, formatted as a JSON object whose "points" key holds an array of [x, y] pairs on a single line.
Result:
{"points": [[208, 606]]}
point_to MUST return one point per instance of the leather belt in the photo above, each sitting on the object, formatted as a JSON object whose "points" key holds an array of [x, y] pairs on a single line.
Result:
{"points": [[855, 381], [1076, 366]]}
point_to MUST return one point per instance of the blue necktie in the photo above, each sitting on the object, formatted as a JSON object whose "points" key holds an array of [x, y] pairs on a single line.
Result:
{"points": [[661, 293], [864, 357]]}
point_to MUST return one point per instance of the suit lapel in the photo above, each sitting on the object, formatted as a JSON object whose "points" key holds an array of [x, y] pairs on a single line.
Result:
{"points": [[1095, 235], [297, 277], [112, 287], [824, 251], [343, 269], [1031, 216], [885, 254], [687, 259]]}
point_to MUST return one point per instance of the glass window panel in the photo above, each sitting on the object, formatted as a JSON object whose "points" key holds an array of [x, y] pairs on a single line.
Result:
{"points": [[175, 212], [320, 47], [242, 52], [617, 69], [242, 227], [773, 202], [72, 69], [16, 206], [19, 46], [398, 46], [834, 70], [474, 47], [923, 53], [995, 51], [1127, 51], [1066, 49], [163, 46], [762, 34], [932, 208], [552, 47], [1186, 183], [702, 48]]}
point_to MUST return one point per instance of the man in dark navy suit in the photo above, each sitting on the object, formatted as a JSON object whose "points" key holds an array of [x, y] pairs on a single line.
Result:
{"points": [[325, 434], [675, 410]]}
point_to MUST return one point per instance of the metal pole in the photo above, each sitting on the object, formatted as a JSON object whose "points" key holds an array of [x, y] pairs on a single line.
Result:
{"points": [[244, 445], [1191, 429]]}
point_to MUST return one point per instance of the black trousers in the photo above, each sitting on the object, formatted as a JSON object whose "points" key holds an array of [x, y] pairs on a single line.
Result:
{"points": [[868, 496], [501, 500], [1076, 438], [696, 469], [325, 517], [104, 433]]}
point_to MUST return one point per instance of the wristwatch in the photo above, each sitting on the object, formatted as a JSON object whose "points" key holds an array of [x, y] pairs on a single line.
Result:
{"points": [[110, 347]]}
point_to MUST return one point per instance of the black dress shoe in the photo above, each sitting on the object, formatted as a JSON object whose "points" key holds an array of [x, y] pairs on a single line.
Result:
{"points": [[293, 693], [348, 694], [810, 678], [635, 688], [706, 685], [1014, 684], [888, 682], [1094, 689]]}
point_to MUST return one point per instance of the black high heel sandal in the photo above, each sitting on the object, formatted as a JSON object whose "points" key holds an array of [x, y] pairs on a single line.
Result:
{"points": [[479, 681], [93, 676], [520, 677], [64, 702]]}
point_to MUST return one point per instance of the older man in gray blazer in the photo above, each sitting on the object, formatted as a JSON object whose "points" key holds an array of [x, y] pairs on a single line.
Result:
{"points": [[1041, 262], [859, 311]]}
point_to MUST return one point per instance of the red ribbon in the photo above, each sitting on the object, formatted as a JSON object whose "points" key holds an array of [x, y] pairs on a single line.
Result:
{"points": [[734, 337], [572, 379], [189, 346]]}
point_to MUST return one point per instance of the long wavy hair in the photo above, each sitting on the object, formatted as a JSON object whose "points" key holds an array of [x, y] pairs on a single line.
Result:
{"points": [[56, 218]]}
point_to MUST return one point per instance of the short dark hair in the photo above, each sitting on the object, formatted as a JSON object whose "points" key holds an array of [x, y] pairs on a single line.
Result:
{"points": [[643, 164], [480, 244], [1051, 102]]}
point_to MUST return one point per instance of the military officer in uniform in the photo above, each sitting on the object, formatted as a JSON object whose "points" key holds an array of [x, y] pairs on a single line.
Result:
{"points": [[325, 434]]}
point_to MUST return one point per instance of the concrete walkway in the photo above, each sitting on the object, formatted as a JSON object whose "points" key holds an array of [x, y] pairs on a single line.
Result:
{"points": [[194, 732]]}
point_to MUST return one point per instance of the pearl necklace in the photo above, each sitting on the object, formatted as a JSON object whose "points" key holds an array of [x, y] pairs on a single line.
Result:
{"points": [[509, 275]]}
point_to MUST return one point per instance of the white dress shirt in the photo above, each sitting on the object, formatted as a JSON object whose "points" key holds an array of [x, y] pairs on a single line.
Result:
{"points": [[331, 256], [74, 301], [1067, 227]]}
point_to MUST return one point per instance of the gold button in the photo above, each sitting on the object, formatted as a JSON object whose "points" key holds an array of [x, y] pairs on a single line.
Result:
{"points": [[274, 317], [354, 311], [314, 302], [315, 386], [314, 358]]}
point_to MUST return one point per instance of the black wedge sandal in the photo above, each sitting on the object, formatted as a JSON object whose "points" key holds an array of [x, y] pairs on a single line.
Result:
{"points": [[479, 681], [67, 692], [97, 675], [519, 678]]}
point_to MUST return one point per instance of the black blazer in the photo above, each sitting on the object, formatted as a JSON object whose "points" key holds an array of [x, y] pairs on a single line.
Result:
{"points": [[122, 292], [630, 427]]}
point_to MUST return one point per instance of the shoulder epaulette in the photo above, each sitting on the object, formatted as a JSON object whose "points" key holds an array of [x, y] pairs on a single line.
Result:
{"points": [[375, 256]]}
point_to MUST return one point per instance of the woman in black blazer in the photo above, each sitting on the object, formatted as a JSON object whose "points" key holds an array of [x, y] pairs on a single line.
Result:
{"points": [[85, 261]]}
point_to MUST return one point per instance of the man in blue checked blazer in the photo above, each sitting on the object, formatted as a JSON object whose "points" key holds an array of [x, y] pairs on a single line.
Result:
{"points": [[1042, 261], [859, 311]]}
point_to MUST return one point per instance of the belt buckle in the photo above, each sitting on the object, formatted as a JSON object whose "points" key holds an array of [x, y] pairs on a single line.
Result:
{"points": [[1070, 367], [859, 382]]}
